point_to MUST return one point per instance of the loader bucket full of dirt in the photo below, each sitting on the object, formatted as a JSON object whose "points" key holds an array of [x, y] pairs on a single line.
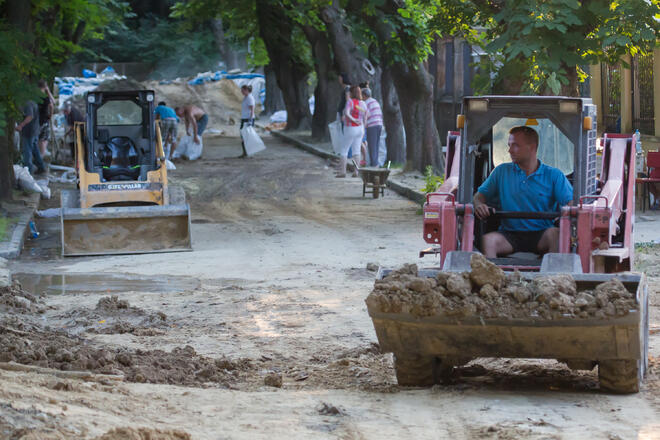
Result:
{"points": [[123, 229], [435, 320]]}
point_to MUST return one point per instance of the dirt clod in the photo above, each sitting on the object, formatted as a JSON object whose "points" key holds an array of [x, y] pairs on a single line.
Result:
{"points": [[372, 267], [144, 434], [327, 409], [484, 272], [273, 380]]}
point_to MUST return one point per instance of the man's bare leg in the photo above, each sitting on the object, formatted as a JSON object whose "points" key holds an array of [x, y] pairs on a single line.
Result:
{"points": [[494, 244], [549, 241]]}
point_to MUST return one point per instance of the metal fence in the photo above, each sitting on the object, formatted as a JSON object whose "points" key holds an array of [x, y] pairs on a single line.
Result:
{"points": [[611, 94], [642, 74]]}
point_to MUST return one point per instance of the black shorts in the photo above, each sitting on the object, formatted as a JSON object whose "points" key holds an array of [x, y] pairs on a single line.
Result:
{"points": [[523, 241]]}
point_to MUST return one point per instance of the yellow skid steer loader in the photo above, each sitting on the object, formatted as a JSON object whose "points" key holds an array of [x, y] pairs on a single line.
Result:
{"points": [[124, 204]]}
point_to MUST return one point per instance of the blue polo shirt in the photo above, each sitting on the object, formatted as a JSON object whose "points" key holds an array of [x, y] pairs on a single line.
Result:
{"points": [[546, 189], [165, 112]]}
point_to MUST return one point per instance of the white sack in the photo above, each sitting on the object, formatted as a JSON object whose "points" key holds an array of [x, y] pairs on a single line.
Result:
{"points": [[336, 136], [382, 148], [169, 165], [188, 148], [25, 181], [251, 140], [279, 116]]}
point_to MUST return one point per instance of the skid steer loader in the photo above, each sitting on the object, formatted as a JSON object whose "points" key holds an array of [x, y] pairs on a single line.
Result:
{"points": [[123, 204], [595, 242]]}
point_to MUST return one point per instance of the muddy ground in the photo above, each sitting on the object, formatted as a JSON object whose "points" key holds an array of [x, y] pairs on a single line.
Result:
{"points": [[262, 330]]}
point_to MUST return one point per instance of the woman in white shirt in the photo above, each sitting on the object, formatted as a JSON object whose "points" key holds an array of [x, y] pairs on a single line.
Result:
{"points": [[247, 111]]}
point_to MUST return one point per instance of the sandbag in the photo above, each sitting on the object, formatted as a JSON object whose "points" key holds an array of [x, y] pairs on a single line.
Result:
{"points": [[382, 148], [251, 140], [26, 182], [188, 148], [336, 136]]}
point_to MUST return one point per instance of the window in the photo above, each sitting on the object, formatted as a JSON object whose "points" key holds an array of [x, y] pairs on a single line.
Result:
{"points": [[119, 113], [555, 149]]}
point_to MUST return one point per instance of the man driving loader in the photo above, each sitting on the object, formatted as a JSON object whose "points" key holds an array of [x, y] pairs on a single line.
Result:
{"points": [[524, 184]]}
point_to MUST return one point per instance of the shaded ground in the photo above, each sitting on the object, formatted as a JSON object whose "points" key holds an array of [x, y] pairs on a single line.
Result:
{"points": [[279, 271]]}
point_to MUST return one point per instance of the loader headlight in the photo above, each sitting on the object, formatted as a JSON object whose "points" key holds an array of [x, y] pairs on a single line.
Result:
{"points": [[91, 99], [478, 105], [150, 97], [568, 107]]}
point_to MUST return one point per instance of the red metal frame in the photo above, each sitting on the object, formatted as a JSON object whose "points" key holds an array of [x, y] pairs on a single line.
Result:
{"points": [[597, 222]]}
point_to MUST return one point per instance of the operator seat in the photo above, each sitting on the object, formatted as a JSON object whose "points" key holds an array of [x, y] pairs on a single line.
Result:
{"points": [[120, 159]]}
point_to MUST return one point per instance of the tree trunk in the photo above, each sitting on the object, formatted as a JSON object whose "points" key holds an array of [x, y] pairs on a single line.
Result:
{"points": [[6, 162], [327, 91], [396, 141], [347, 56], [274, 101], [415, 90], [229, 55], [18, 15], [414, 87], [573, 87], [275, 29]]}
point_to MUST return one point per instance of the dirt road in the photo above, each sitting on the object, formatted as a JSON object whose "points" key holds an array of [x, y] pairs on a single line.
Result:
{"points": [[274, 291]]}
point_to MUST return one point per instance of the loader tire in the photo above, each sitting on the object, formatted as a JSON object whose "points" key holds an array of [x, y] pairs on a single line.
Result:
{"points": [[414, 371], [621, 376]]}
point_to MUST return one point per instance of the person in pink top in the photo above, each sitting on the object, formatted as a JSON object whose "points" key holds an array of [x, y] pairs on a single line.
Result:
{"points": [[374, 125], [355, 114]]}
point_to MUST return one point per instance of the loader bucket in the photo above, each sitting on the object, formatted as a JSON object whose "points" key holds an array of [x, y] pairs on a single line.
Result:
{"points": [[123, 229]]}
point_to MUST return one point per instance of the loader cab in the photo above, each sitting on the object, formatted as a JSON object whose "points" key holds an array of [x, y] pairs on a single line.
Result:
{"points": [[121, 139], [566, 141]]}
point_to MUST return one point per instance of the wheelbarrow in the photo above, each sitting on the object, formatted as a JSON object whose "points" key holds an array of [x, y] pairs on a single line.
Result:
{"points": [[373, 178]]}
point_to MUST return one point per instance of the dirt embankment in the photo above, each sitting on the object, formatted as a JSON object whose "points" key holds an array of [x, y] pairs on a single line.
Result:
{"points": [[488, 292]]}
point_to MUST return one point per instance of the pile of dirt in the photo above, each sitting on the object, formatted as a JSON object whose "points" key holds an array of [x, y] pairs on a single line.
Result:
{"points": [[25, 339], [114, 316], [221, 100], [181, 366], [487, 292], [13, 299], [144, 434]]}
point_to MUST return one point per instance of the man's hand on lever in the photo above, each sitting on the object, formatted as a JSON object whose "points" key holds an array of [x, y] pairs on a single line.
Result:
{"points": [[481, 209]]}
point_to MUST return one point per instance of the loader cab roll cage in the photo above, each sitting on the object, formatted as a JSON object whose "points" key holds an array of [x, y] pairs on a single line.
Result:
{"points": [[484, 114], [121, 139], [568, 115]]}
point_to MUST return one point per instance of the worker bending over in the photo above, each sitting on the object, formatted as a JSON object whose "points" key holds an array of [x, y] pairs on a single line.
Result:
{"points": [[524, 184], [195, 116]]}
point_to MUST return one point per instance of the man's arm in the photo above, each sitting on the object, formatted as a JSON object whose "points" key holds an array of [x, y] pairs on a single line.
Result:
{"points": [[486, 191], [194, 126], [481, 208], [24, 122]]}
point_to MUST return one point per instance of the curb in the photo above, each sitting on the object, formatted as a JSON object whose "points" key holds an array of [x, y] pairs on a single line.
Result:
{"points": [[305, 146], [409, 193], [12, 249]]}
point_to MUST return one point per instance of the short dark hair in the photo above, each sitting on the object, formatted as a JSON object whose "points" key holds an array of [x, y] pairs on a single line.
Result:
{"points": [[162, 103], [247, 87], [530, 134], [42, 83]]}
